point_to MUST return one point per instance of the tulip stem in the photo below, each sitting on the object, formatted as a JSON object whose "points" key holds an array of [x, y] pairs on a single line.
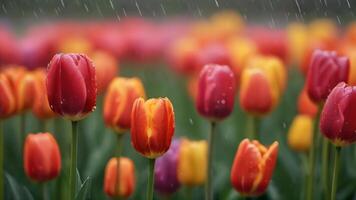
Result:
{"points": [[22, 129], [44, 125], [335, 173], [312, 150], [44, 191], [208, 187], [73, 167], [1, 161], [188, 193], [150, 179], [325, 166], [252, 127], [118, 155]]}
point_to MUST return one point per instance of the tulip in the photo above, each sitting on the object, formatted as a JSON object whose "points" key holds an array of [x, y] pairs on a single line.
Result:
{"points": [[300, 133], [152, 129], [122, 184], [75, 44], [252, 178], [106, 68], [297, 41], [214, 53], [192, 162], [166, 178], [119, 100], [42, 158], [305, 105], [71, 90], [216, 92], [325, 72], [24, 88], [7, 100]]}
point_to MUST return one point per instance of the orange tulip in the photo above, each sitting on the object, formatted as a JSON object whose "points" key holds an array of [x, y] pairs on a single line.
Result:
{"points": [[106, 68], [152, 126], [118, 102], [305, 105], [42, 158], [126, 184], [253, 167], [7, 99], [298, 41], [300, 133], [40, 106], [75, 44], [262, 84]]}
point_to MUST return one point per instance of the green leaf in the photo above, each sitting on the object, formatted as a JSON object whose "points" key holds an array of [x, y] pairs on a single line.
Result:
{"points": [[84, 191], [14, 190]]}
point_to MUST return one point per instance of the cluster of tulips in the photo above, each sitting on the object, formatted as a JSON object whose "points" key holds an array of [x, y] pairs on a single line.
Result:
{"points": [[220, 58]]}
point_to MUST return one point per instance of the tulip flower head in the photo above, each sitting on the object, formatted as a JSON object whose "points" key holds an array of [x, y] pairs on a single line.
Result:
{"points": [[71, 85], [126, 184], [192, 162], [326, 70], [305, 105], [216, 92], [119, 100], [300, 133], [166, 178], [337, 120], [7, 99], [42, 158], [253, 167], [152, 126]]}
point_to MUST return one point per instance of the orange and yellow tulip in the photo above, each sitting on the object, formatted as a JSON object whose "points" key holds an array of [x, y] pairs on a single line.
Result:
{"points": [[7, 99], [300, 133], [152, 126]]}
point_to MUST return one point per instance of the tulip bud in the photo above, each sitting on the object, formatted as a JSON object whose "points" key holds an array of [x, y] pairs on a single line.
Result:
{"points": [[106, 68], [166, 179], [262, 84], [118, 102], [216, 92], [300, 133], [40, 106], [7, 99], [71, 85], [326, 70], [253, 167], [152, 126], [126, 184], [337, 121], [305, 105], [42, 158], [192, 162], [24, 89]]}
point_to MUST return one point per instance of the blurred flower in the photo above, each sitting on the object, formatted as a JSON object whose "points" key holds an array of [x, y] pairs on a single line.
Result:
{"points": [[298, 40], [192, 162], [25, 86], [262, 84], [75, 44], [119, 100], [152, 126], [40, 106], [253, 167], [325, 72], [192, 87], [300, 133], [212, 53], [166, 179], [216, 92], [71, 85], [42, 158], [123, 187], [7, 99], [9, 52], [106, 68], [226, 24], [337, 121], [324, 31], [305, 105], [350, 52]]}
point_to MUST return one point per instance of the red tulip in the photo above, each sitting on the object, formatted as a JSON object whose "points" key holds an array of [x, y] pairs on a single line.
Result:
{"points": [[337, 121], [71, 85], [253, 167], [216, 92], [42, 158], [326, 70], [152, 126]]}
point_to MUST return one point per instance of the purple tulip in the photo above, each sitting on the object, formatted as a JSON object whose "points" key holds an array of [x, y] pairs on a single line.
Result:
{"points": [[166, 180]]}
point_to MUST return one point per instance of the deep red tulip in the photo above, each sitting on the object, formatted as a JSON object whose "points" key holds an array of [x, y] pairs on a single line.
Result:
{"points": [[326, 70], [71, 85], [216, 92], [337, 121], [152, 126], [42, 158], [253, 167]]}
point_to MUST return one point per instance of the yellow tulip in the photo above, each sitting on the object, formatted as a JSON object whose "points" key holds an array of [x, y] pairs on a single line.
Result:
{"points": [[300, 133]]}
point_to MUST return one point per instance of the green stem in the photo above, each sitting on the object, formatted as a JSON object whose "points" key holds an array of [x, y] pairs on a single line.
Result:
{"points": [[1, 161], [325, 167], [44, 191], [150, 179], [335, 173], [188, 193], [208, 187], [252, 127], [73, 166], [44, 125], [118, 155], [22, 129], [304, 159]]}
